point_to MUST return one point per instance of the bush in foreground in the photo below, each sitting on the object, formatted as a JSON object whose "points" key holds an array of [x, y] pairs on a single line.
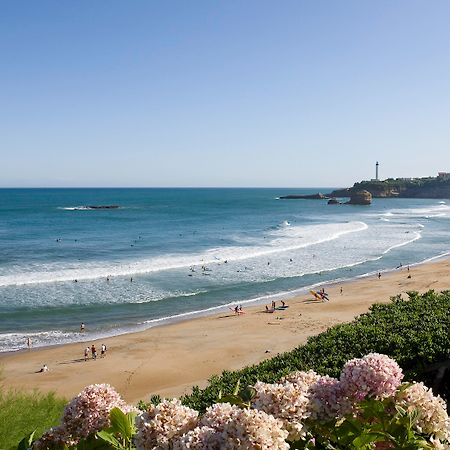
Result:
{"points": [[415, 332], [23, 412], [367, 407]]}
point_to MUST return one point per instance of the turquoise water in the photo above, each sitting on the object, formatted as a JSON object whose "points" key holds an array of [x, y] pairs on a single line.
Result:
{"points": [[253, 247]]}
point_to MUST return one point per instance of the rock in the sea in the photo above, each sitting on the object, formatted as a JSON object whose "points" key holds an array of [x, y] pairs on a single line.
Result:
{"points": [[318, 196], [360, 198], [333, 201]]}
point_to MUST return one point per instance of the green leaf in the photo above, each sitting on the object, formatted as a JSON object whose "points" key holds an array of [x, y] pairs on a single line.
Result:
{"points": [[108, 437], [26, 442], [365, 439], [248, 393], [122, 423], [236, 388]]}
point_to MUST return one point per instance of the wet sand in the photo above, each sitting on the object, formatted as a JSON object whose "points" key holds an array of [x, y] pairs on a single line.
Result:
{"points": [[170, 359]]}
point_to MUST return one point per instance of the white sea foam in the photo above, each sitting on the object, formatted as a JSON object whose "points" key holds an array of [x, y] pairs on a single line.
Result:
{"points": [[440, 209], [287, 238]]}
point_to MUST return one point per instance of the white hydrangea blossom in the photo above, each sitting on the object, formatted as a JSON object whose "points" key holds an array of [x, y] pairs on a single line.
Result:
{"points": [[230, 428], [302, 378], [161, 424], [433, 418], [199, 438], [287, 402]]}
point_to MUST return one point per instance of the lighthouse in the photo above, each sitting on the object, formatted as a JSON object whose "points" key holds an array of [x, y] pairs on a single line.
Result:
{"points": [[376, 171]]}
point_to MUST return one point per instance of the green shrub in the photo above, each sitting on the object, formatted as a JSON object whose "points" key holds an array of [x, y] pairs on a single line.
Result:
{"points": [[23, 412], [415, 332]]}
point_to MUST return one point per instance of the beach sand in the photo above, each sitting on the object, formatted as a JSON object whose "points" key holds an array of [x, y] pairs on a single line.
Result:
{"points": [[170, 359]]}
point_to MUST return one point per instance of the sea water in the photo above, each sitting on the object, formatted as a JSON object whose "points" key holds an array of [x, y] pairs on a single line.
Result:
{"points": [[169, 254]]}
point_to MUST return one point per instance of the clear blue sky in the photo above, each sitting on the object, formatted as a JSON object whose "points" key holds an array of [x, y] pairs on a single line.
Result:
{"points": [[222, 93]]}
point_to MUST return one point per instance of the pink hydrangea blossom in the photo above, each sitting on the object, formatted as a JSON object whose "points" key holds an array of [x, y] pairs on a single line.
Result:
{"points": [[374, 375], [328, 400], [55, 438], [161, 424]]}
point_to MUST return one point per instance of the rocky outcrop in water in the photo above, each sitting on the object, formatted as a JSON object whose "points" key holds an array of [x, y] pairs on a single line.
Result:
{"points": [[360, 198], [318, 196]]}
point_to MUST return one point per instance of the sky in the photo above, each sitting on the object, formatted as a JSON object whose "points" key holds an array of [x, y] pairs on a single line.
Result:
{"points": [[252, 93]]}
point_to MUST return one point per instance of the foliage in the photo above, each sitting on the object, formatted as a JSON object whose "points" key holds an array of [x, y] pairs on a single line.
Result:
{"points": [[366, 408], [120, 434], [25, 413], [414, 332]]}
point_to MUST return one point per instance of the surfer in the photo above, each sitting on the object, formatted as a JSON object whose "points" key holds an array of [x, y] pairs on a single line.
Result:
{"points": [[324, 295]]}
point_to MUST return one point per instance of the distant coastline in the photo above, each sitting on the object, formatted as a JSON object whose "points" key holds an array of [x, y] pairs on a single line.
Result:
{"points": [[429, 187]]}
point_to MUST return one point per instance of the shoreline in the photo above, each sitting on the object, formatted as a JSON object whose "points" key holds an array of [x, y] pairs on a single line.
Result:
{"points": [[215, 310], [170, 358]]}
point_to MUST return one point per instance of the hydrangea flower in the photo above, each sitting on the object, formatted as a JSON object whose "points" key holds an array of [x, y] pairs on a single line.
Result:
{"points": [[161, 424], [89, 411], [304, 379], [199, 438], [433, 418], [374, 375], [285, 401], [55, 438], [236, 428], [328, 400]]}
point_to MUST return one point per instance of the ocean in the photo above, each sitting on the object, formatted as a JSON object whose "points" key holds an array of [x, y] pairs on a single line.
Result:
{"points": [[169, 254]]}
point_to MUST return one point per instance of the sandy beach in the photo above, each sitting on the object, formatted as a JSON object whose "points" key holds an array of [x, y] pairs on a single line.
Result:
{"points": [[169, 360]]}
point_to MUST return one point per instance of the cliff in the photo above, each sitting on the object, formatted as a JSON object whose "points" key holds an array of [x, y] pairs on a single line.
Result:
{"points": [[432, 187]]}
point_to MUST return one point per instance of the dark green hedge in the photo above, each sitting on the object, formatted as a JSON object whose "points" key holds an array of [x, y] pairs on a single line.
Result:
{"points": [[415, 332]]}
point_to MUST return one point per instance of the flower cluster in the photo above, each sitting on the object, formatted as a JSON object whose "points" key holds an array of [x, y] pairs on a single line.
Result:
{"points": [[303, 403], [304, 379], [285, 401], [158, 426], [55, 438], [86, 414], [374, 375], [328, 400], [228, 427], [89, 411], [432, 415]]}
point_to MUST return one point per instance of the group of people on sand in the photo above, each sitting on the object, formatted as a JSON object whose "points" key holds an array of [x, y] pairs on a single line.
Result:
{"points": [[274, 306], [238, 310], [93, 351]]}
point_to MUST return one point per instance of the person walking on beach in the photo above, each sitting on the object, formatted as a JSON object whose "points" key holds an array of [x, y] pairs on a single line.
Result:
{"points": [[379, 275], [81, 327], [86, 353], [29, 343], [103, 351], [94, 352]]}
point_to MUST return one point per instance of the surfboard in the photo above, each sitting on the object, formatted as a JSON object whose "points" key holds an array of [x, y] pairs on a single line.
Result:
{"points": [[316, 295]]}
